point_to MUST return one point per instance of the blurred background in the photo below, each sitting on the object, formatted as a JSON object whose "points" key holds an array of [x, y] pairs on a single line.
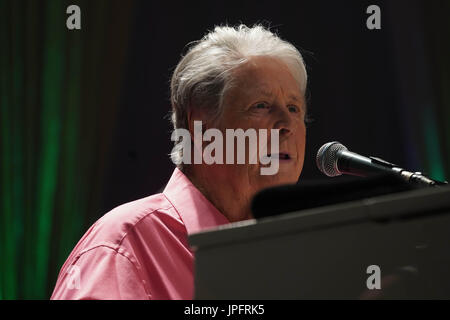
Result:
{"points": [[83, 113]]}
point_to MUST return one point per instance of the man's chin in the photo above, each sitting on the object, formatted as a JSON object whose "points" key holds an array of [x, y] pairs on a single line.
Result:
{"points": [[281, 178]]}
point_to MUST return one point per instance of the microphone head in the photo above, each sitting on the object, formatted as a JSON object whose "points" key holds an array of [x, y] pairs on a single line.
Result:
{"points": [[327, 157]]}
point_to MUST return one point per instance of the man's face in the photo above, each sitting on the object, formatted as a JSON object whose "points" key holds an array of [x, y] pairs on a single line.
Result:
{"points": [[265, 95]]}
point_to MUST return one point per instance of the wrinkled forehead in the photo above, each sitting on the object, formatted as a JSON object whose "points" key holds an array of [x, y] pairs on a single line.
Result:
{"points": [[264, 77]]}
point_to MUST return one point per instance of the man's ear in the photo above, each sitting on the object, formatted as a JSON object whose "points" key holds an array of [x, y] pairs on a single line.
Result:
{"points": [[194, 115]]}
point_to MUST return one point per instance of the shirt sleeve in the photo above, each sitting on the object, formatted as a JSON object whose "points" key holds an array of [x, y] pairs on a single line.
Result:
{"points": [[101, 273]]}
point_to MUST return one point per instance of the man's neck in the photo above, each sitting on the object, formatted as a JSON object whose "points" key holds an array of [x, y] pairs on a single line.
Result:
{"points": [[231, 202]]}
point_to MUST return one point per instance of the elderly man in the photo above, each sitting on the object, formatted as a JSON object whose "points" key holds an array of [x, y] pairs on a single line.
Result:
{"points": [[233, 78]]}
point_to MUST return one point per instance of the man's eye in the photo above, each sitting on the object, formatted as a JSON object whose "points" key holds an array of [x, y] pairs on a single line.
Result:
{"points": [[293, 109], [261, 105]]}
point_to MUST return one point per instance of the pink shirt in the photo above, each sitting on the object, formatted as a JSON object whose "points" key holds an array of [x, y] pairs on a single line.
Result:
{"points": [[139, 250]]}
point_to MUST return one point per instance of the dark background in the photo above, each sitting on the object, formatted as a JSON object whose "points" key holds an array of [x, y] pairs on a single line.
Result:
{"points": [[84, 112]]}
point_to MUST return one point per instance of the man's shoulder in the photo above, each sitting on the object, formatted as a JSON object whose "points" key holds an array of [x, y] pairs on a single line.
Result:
{"points": [[131, 219], [131, 213]]}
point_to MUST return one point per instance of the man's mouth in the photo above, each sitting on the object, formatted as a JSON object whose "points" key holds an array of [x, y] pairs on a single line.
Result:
{"points": [[281, 156]]}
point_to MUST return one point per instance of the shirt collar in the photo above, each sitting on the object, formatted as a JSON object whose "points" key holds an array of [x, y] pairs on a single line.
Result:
{"points": [[197, 212]]}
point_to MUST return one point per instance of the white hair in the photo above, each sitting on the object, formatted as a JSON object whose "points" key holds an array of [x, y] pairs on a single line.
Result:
{"points": [[203, 75]]}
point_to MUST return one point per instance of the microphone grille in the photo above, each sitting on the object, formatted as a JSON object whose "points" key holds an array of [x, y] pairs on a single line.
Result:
{"points": [[327, 156]]}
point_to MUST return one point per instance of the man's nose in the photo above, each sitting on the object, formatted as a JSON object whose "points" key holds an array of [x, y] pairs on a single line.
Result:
{"points": [[284, 121]]}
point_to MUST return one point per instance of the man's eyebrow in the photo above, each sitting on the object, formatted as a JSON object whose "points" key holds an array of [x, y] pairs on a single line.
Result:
{"points": [[296, 98], [301, 101], [267, 92]]}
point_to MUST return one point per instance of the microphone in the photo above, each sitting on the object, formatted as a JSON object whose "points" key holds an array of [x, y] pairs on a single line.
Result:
{"points": [[334, 159]]}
